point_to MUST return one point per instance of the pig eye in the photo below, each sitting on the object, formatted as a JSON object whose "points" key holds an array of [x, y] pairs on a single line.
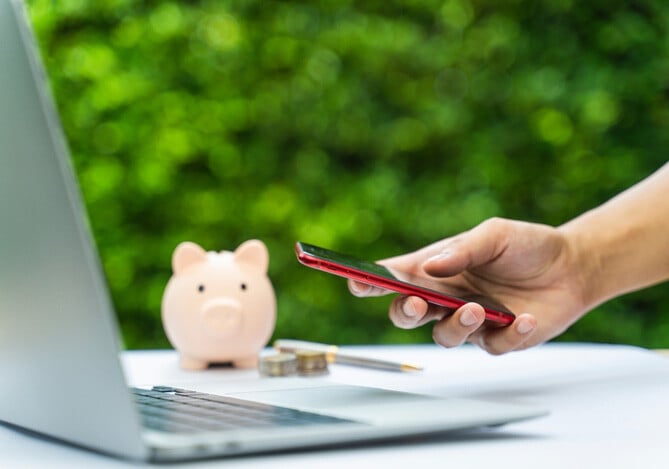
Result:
{"points": [[200, 288], [243, 286]]}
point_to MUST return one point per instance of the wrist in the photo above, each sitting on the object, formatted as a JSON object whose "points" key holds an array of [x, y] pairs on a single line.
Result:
{"points": [[584, 264]]}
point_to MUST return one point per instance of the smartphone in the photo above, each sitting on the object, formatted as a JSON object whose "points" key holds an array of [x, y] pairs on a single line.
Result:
{"points": [[375, 274]]}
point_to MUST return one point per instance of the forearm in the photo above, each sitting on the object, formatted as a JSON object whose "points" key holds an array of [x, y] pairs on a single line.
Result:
{"points": [[623, 245]]}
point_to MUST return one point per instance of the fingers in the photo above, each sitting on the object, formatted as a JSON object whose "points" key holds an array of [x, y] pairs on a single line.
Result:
{"points": [[497, 341], [408, 312], [454, 330], [466, 324]]}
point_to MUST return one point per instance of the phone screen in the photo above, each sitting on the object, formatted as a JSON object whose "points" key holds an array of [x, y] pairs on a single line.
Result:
{"points": [[395, 280]]}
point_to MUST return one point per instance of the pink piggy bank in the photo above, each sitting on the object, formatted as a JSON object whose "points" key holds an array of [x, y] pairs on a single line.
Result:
{"points": [[219, 306]]}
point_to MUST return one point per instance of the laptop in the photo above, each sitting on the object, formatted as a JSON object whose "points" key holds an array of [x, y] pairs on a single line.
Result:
{"points": [[60, 343]]}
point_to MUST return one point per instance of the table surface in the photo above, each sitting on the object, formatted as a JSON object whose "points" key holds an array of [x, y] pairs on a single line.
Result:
{"points": [[607, 408]]}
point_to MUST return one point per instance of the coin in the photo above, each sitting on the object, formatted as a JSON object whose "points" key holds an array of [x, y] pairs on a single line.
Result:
{"points": [[311, 362], [281, 364]]}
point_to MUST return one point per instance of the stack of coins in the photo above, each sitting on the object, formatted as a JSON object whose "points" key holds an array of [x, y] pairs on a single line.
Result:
{"points": [[303, 362], [311, 362], [281, 364]]}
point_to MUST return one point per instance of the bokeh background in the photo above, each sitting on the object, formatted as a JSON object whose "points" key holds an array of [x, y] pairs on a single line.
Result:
{"points": [[372, 127]]}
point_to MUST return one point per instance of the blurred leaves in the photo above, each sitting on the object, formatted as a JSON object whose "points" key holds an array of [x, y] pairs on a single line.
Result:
{"points": [[371, 127]]}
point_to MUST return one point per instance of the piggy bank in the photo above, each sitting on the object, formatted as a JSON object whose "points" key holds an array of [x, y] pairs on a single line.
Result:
{"points": [[219, 306]]}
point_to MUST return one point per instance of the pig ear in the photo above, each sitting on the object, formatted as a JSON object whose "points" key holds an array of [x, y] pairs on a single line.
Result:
{"points": [[253, 252], [187, 254]]}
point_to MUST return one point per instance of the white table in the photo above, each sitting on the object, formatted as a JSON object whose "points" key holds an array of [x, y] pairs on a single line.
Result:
{"points": [[608, 408]]}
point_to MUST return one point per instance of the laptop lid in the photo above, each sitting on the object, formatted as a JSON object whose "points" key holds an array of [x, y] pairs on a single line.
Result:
{"points": [[58, 349]]}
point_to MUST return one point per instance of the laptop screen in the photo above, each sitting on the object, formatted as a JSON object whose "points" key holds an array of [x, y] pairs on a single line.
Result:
{"points": [[58, 340]]}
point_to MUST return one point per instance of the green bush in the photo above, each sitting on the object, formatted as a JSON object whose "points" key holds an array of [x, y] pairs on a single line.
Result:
{"points": [[371, 127]]}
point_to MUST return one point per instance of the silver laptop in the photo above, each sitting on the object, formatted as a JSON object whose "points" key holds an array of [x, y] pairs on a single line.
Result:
{"points": [[59, 342]]}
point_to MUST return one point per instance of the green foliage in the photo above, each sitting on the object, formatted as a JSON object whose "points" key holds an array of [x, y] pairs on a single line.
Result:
{"points": [[371, 127]]}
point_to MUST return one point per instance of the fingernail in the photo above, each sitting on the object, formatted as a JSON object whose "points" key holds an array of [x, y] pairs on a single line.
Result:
{"points": [[360, 288], [409, 310], [441, 256], [524, 326], [468, 318]]}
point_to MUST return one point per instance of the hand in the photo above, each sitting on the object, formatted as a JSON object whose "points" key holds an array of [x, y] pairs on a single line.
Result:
{"points": [[530, 268]]}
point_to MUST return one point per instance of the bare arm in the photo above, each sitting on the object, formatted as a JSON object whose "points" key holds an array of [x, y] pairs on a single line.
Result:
{"points": [[624, 243], [549, 276]]}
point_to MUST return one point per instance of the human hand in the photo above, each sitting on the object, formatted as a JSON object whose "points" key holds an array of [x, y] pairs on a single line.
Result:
{"points": [[530, 268]]}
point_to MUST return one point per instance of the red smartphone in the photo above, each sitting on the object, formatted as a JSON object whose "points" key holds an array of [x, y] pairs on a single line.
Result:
{"points": [[401, 282]]}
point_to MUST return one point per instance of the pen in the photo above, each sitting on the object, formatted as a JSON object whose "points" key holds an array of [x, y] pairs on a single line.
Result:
{"points": [[333, 355]]}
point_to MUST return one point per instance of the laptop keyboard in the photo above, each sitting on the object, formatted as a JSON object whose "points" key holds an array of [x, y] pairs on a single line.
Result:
{"points": [[175, 410]]}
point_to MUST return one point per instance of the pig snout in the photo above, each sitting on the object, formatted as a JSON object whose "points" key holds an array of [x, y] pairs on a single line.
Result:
{"points": [[222, 317]]}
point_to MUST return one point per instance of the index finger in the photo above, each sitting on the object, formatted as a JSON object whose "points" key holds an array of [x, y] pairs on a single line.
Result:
{"points": [[409, 262], [362, 290]]}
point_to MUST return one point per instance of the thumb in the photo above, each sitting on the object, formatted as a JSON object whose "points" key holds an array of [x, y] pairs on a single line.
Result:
{"points": [[478, 246]]}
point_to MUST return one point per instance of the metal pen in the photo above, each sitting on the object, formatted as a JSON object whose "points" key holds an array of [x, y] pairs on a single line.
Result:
{"points": [[333, 355]]}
